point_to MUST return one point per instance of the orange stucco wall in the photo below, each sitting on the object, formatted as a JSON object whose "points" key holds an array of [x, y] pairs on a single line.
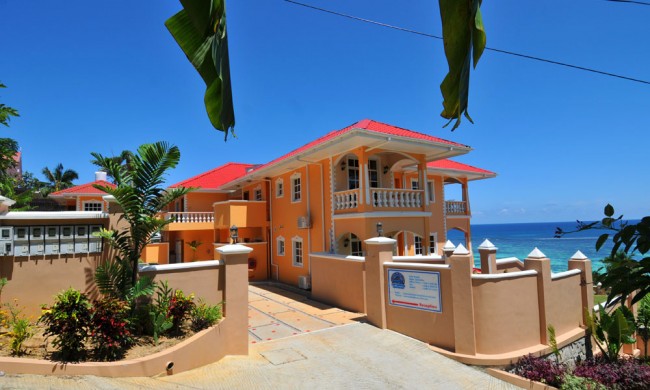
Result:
{"points": [[506, 314], [339, 282], [565, 304], [203, 252], [206, 283], [202, 201], [258, 270], [156, 253]]}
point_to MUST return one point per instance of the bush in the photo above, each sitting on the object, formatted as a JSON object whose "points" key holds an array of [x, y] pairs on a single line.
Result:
{"points": [[541, 370], [204, 315], [110, 334], [572, 382], [68, 320], [20, 328], [622, 374], [180, 307]]}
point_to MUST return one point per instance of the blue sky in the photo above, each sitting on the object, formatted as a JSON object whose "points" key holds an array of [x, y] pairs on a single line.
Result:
{"points": [[107, 76]]}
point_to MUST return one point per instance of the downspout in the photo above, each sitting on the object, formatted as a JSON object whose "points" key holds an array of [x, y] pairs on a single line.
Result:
{"points": [[309, 206], [270, 238]]}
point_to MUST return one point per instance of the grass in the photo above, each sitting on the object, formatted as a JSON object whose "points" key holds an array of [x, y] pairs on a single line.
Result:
{"points": [[598, 299]]}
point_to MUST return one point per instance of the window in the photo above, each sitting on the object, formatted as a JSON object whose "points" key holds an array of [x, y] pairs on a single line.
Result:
{"points": [[419, 250], [93, 206], [258, 194], [432, 244], [297, 252], [414, 184], [430, 190], [279, 188], [280, 246], [355, 246], [373, 173], [353, 173], [246, 195], [295, 189]]}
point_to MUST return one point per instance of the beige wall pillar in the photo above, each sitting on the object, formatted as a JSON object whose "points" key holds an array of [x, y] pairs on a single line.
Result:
{"points": [[582, 262], [538, 261], [378, 251], [463, 301], [235, 294], [488, 254], [448, 250]]}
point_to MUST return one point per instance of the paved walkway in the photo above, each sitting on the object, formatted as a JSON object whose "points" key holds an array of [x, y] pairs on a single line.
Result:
{"points": [[328, 351]]}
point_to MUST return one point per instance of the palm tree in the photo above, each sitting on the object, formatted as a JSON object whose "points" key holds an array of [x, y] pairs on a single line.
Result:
{"points": [[60, 179], [124, 158], [141, 196]]}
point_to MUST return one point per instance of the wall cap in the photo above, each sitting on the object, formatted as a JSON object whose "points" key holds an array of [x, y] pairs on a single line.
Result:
{"points": [[579, 256], [379, 241], [461, 250], [178, 266], [536, 254], [487, 245], [234, 249], [449, 246]]}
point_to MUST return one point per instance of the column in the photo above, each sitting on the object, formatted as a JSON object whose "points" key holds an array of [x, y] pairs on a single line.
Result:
{"points": [[538, 261], [488, 254], [463, 301], [379, 250]]}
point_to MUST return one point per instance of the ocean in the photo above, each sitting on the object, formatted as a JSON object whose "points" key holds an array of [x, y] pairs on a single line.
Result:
{"points": [[519, 239]]}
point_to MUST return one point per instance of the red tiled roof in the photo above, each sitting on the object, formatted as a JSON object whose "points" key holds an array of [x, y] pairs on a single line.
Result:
{"points": [[84, 189], [456, 166], [216, 177], [366, 124]]}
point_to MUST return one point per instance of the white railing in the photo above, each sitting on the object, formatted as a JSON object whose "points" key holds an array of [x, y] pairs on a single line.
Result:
{"points": [[456, 208], [346, 199], [190, 217], [399, 198]]}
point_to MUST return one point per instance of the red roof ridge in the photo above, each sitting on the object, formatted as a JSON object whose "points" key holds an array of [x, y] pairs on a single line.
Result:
{"points": [[75, 190], [455, 165], [212, 171]]}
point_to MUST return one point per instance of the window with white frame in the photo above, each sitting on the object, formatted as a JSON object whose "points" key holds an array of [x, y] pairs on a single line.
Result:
{"points": [[419, 248], [280, 245], [353, 173], [296, 190], [93, 206], [433, 242], [279, 188], [355, 246], [430, 190], [414, 184], [373, 173], [297, 251], [258, 193]]}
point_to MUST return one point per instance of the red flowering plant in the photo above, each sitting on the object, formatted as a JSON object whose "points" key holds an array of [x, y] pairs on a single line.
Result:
{"points": [[110, 334], [180, 308]]}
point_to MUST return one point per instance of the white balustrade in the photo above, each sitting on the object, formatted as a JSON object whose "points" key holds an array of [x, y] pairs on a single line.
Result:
{"points": [[344, 200], [396, 198], [456, 208], [190, 217]]}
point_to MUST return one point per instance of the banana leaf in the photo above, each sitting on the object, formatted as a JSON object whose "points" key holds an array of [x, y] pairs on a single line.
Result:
{"points": [[200, 30], [464, 40]]}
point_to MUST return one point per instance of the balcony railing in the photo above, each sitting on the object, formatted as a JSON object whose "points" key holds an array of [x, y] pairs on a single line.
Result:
{"points": [[190, 217], [396, 198], [456, 208], [344, 200]]}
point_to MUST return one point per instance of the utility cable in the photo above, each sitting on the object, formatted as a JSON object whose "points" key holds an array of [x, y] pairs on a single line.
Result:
{"points": [[629, 1], [486, 48]]}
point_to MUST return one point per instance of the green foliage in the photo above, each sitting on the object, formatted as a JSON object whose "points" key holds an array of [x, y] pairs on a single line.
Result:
{"points": [[59, 179], [464, 40], [572, 382], [68, 321], [204, 315], [625, 274], [180, 308], [552, 341], [159, 313], [110, 334], [161, 324], [200, 31], [124, 158], [643, 323], [194, 246], [6, 112], [21, 331], [140, 193], [612, 330]]}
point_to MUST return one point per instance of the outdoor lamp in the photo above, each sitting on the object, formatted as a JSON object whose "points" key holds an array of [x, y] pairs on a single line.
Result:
{"points": [[380, 229], [233, 234]]}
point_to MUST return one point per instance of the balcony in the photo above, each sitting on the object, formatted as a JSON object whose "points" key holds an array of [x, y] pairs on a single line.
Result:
{"points": [[242, 213], [189, 220], [455, 208], [383, 199]]}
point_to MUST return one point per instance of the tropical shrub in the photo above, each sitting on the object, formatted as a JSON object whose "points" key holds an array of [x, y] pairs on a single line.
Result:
{"points": [[629, 374], [110, 334], [643, 323], [540, 370], [68, 321], [180, 307], [204, 315], [21, 331], [159, 311], [611, 330], [572, 382]]}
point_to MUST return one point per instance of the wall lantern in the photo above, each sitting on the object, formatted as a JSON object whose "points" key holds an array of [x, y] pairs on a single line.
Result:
{"points": [[386, 169], [346, 242], [343, 165], [233, 233], [380, 229]]}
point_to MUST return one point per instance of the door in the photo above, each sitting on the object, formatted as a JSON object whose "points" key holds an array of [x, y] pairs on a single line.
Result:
{"points": [[179, 251]]}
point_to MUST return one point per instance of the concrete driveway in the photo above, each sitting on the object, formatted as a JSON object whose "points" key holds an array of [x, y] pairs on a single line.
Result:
{"points": [[314, 346]]}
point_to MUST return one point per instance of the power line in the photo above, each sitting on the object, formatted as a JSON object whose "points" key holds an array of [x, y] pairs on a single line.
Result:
{"points": [[629, 1], [486, 48]]}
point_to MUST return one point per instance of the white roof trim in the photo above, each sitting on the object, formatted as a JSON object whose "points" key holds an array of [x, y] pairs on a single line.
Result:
{"points": [[49, 215]]}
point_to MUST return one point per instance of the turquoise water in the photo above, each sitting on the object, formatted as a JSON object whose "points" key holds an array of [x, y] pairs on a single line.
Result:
{"points": [[519, 239]]}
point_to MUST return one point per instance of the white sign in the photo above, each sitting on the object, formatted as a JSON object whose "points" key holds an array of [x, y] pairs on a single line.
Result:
{"points": [[418, 290]]}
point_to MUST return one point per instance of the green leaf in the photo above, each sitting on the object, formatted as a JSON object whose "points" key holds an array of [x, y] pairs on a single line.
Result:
{"points": [[609, 210], [601, 241], [200, 31], [464, 40]]}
